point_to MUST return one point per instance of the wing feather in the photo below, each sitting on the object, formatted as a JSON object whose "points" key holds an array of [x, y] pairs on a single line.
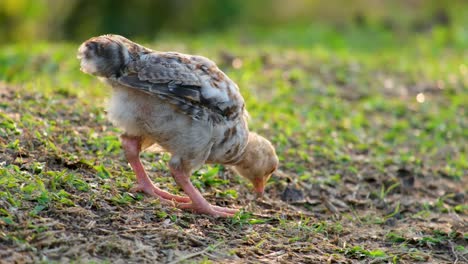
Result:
{"points": [[191, 83]]}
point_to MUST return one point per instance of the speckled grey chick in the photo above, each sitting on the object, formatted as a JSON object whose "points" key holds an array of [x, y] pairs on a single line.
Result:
{"points": [[184, 104]]}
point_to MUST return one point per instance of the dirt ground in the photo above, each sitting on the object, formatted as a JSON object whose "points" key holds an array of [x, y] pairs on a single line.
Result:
{"points": [[399, 215]]}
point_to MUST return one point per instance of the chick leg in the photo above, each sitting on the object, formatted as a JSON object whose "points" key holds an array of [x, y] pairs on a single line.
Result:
{"points": [[199, 204], [132, 148]]}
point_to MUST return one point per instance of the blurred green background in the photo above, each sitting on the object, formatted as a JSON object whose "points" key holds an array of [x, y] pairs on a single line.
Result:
{"points": [[76, 20]]}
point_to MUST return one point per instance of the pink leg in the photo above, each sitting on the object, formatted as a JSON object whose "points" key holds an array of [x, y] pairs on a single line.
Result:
{"points": [[132, 148], [199, 204]]}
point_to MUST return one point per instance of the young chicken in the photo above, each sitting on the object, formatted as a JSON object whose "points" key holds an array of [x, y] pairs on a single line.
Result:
{"points": [[187, 106]]}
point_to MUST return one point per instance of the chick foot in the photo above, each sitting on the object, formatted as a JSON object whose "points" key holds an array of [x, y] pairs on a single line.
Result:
{"points": [[199, 204], [154, 191], [208, 209]]}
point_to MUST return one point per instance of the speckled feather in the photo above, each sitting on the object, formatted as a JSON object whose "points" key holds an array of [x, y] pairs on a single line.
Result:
{"points": [[192, 83]]}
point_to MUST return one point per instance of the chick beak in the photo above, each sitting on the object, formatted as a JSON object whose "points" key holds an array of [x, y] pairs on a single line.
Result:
{"points": [[259, 187]]}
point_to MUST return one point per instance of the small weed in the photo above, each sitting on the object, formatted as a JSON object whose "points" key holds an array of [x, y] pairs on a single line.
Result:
{"points": [[208, 178], [359, 252], [102, 172], [384, 192], [245, 218], [395, 237], [123, 199]]}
